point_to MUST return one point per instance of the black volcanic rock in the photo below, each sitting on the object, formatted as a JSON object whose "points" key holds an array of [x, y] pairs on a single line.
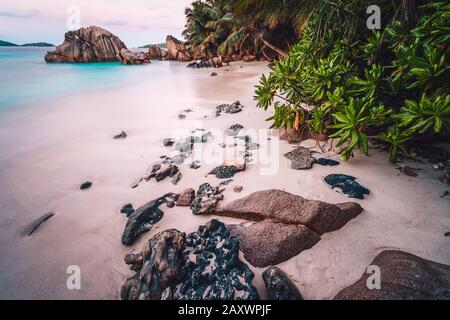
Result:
{"points": [[203, 265]]}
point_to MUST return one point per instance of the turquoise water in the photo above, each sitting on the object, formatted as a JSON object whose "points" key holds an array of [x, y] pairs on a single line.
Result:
{"points": [[26, 78]]}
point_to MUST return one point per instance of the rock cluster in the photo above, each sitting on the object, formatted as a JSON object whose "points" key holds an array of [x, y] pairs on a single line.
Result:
{"points": [[403, 277], [286, 224], [215, 62], [92, 44], [133, 57], [235, 107], [203, 265]]}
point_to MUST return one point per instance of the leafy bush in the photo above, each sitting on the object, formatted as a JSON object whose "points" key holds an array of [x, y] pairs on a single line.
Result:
{"points": [[393, 83]]}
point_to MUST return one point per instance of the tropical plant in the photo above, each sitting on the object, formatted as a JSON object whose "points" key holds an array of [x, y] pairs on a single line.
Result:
{"points": [[393, 83]]}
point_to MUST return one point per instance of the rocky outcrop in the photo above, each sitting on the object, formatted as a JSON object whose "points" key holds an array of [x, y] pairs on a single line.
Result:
{"points": [[145, 217], [279, 286], [133, 57], [286, 224], [203, 265], [403, 277], [92, 44], [157, 53], [177, 50]]}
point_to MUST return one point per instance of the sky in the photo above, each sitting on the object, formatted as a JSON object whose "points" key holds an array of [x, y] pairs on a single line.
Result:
{"points": [[135, 22]]}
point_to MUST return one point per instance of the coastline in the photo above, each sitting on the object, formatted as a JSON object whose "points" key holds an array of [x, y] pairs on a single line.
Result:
{"points": [[53, 150]]}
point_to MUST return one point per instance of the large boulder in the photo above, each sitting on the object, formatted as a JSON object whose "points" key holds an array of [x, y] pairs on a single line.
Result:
{"points": [[286, 224], [203, 265], [267, 243], [284, 207], [279, 286], [403, 277], [177, 50], [133, 57], [92, 44], [157, 53]]}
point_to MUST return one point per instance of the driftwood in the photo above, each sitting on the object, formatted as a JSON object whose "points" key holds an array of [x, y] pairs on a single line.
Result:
{"points": [[38, 222]]}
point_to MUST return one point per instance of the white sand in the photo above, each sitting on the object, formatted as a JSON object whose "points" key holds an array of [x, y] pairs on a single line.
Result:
{"points": [[49, 149]]}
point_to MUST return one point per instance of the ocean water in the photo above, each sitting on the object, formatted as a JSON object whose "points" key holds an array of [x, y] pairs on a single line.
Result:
{"points": [[26, 78]]}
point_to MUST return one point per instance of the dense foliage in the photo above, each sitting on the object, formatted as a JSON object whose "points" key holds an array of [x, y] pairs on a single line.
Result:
{"points": [[263, 28], [351, 83]]}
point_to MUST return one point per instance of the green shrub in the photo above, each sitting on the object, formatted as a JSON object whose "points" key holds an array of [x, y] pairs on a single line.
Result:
{"points": [[393, 83]]}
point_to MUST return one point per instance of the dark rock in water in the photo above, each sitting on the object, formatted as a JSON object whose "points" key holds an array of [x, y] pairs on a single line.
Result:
{"points": [[143, 218], [234, 129], [203, 265], [127, 209], [225, 172], [121, 135], [168, 142], [32, 228], [176, 178], [403, 277], [266, 243], [326, 162], [86, 185], [279, 286], [186, 197], [286, 224], [206, 199], [235, 107], [301, 158], [195, 164], [347, 184]]}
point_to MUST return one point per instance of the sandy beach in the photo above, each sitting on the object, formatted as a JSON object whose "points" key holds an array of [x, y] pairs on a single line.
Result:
{"points": [[52, 147]]}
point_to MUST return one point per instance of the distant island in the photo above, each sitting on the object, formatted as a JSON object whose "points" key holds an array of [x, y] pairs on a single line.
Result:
{"points": [[34, 44], [161, 45]]}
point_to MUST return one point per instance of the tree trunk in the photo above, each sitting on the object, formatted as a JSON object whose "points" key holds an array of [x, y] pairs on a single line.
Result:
{"points": [[280, 52]]}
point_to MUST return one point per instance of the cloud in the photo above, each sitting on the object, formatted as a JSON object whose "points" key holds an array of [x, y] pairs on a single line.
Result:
{"points": [[19, 13], [115, 22]]}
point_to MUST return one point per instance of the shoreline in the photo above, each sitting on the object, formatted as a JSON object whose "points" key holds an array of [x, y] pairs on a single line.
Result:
{"points": [[44, 167]]}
